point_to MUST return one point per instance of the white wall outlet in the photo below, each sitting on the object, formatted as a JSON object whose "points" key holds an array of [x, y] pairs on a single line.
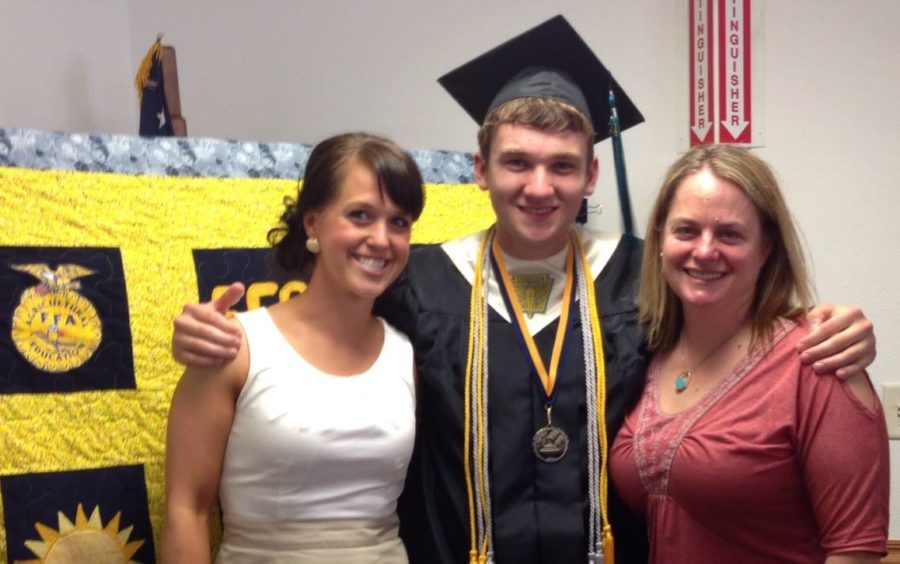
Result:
{"points": [[890, 401]]}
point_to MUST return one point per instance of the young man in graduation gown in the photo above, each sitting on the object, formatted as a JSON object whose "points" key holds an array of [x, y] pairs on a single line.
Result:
{"points": [[528, 347], [531, 271]]}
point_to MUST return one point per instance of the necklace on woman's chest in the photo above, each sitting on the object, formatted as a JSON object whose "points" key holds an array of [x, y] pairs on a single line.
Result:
{"points": [[683, 379]]}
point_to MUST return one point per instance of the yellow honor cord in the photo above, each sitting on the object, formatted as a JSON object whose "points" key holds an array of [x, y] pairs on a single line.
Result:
{"points": [[475, 305]]}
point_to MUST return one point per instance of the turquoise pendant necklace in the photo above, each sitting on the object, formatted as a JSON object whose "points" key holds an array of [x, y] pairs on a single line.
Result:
{"points": [[683, 380]]}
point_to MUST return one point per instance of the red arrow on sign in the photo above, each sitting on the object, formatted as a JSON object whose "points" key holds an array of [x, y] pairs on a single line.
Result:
{"points": [[734, 71], [702, 81]]}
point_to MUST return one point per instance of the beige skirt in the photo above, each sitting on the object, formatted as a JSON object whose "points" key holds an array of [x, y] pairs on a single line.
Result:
{"points": [[363, 541]]}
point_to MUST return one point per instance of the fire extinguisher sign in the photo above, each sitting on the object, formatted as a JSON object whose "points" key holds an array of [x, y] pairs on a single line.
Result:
{"points": [[703, 109], [721, 63], [734, 71]]}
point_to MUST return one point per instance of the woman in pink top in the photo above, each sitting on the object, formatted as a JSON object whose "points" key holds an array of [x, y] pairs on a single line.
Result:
{"points": [[736, 452]]}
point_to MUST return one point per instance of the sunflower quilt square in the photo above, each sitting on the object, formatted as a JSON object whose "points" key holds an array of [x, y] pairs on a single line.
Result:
{"points": [[98, 516]]}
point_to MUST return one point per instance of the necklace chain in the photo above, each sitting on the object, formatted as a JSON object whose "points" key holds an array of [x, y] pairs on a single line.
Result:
{"points": [[683, 380]]}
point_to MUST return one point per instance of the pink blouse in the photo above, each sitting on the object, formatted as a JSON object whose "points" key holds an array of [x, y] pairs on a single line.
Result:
{"points": [[775, 464]]}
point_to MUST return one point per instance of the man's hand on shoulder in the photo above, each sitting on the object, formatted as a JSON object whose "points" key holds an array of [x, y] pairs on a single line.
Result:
{"points": [[841, 340]]}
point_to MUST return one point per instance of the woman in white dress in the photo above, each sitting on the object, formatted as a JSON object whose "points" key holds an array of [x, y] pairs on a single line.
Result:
{"points": [[306, 435]]}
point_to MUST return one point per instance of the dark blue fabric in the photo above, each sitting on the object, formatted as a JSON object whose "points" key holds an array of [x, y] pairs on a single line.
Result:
{"points": [[155, 118]]}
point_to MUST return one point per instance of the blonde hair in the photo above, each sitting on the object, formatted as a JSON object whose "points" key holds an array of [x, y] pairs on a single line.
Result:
{"points": [[783, 287], [538, 112]]}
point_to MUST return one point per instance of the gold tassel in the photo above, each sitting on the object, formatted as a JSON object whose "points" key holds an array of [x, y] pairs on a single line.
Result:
{"points": [[609, 548], [143, 73]]}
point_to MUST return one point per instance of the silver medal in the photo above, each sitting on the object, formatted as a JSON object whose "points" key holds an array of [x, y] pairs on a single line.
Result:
{"points": [[550, 444]]}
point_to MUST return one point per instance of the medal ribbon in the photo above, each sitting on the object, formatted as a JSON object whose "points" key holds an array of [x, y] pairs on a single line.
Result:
{"points": [[547, 378]]}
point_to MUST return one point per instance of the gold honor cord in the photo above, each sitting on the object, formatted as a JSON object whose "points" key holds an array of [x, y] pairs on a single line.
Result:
{"points": [[548, 378], [479, 543], [601, 547]]}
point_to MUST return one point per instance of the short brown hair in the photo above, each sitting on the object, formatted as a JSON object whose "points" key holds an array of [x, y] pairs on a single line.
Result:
{"points": [[783, 287], [541, 113]]}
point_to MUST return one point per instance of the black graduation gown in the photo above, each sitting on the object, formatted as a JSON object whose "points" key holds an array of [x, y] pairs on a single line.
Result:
{"points": [[539, 509]]}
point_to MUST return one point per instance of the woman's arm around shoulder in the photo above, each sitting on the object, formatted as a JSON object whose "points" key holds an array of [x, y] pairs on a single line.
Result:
{"points": [[200, 420]]}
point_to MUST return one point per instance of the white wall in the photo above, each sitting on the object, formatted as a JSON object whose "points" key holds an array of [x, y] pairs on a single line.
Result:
{"points": [[66, 66], [298, 70]]}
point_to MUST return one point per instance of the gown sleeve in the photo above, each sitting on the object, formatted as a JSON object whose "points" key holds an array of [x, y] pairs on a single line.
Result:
{"points": [[399, 306]]}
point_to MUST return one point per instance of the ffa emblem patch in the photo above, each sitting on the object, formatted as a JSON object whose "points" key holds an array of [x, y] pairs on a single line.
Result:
{"points": [[54, 327], [533, 291]]}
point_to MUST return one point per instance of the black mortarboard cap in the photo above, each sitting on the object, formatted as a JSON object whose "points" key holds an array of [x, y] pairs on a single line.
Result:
{"points": [[550, 60]]}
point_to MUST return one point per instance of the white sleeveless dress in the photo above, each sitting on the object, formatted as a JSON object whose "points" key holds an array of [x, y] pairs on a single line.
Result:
{"points": [[315, 462]]}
